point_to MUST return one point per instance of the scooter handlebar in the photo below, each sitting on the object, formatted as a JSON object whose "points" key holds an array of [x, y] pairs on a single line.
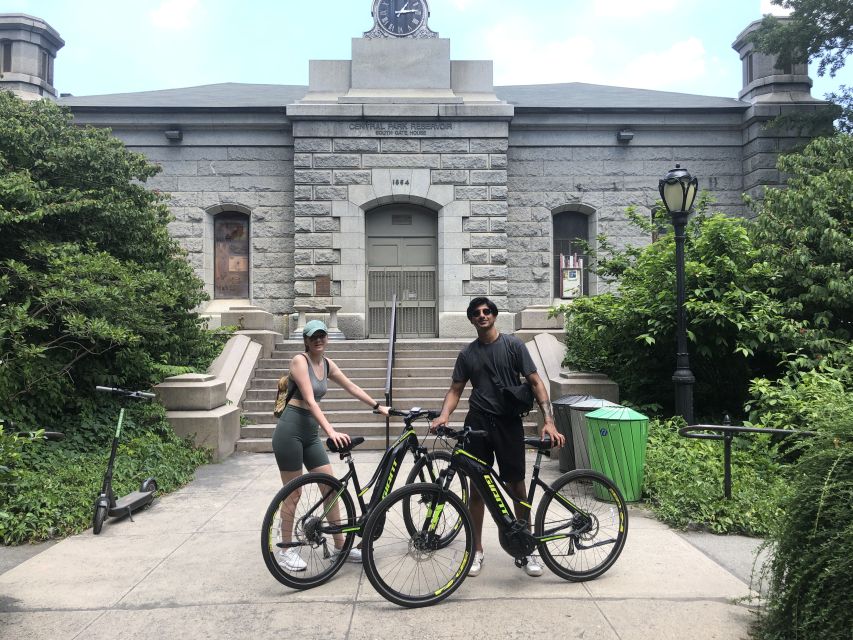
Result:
{"points": [[126, 392]]}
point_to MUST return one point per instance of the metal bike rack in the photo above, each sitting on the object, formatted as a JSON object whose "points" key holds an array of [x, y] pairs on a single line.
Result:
{"points": [[727, 433]]}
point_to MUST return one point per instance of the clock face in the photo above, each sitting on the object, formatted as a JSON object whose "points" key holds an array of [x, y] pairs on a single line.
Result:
{"points": [[400, 17]]}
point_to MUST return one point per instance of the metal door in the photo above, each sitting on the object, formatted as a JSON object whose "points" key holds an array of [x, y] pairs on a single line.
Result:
{"points": [[401, 258]]}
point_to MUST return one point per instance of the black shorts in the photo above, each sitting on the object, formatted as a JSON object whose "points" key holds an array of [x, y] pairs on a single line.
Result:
{"points": [[505, 442]]}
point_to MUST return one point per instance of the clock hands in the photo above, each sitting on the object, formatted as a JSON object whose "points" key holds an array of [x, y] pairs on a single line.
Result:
{"points": [[405, 10]]}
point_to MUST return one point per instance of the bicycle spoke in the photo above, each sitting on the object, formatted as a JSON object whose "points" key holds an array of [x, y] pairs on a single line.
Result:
{"points": [[587, 524], [408, 565]]}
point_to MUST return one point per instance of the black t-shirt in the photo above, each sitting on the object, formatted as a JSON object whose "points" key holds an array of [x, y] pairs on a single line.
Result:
{"points": [[505, 359]]}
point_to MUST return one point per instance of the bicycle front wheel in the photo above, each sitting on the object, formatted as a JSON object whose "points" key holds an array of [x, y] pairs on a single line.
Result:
{"points": [[427, 469], [308, 530], [424, 566], [582, 525]]}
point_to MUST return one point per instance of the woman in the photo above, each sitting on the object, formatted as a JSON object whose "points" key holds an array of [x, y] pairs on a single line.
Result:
{"points": [[296, 441]]}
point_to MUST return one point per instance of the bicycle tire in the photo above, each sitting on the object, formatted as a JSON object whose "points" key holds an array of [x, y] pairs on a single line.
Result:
{"points": [[98, 518], [601, 525], [398, 562], [315, 548], [427, 469]]}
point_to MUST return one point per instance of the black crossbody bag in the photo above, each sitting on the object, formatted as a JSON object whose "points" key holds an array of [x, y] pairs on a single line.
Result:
{"points": [[517, 398]]}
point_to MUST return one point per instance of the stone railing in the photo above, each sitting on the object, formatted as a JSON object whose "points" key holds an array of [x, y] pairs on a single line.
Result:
{"points": [[547, 353], [206, 406]]}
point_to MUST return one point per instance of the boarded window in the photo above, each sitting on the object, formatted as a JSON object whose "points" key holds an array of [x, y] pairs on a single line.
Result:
{"points": [[231, 255]]}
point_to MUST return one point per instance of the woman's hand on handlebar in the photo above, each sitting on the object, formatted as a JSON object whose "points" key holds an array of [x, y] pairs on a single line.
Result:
{"points": [[340, 439], [383, 410]]}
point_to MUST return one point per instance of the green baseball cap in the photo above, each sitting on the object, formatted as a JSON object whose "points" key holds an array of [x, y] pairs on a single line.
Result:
{"points": [[313, 327]]}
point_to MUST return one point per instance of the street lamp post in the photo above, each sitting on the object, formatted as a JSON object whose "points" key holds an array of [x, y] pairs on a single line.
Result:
{"points": [[678, 191]]}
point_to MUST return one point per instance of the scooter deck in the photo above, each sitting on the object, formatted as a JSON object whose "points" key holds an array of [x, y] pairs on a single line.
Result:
{"points": [[131, 502]]}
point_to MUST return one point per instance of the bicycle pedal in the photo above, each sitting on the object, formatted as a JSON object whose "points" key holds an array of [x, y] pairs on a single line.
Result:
{"points": [[521, 562]]}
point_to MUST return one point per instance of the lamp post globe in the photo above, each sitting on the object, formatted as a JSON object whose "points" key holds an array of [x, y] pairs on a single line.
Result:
{"points": [[678, 192]]}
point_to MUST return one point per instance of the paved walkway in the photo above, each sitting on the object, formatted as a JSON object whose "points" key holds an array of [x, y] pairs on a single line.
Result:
{"points": [[191, 567]]}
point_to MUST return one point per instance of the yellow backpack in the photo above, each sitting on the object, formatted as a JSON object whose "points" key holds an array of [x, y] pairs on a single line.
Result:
{"points": [[283, 396]]}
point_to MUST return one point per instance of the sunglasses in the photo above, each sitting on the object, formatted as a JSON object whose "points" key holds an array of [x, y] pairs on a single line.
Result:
{"points": [[476, 313], [317, 335]]}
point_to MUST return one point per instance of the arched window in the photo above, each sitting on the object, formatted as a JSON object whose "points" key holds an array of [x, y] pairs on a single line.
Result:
{"points": [[231, 256], [571, 278]]}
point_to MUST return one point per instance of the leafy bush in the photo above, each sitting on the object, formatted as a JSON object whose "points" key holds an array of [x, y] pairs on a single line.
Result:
{"points": [[93, 290], [801, 399], [805, 232], [55, 485], [809, 576], [11, 447], [735, 326], [684, 481]]}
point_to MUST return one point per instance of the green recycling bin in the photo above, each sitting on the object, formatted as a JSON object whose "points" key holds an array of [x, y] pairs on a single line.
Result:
{"points": [[617, 447]]}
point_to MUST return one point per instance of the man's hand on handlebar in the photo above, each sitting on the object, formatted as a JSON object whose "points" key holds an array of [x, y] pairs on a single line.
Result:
{"points": [[441, 421], [549, 429]]}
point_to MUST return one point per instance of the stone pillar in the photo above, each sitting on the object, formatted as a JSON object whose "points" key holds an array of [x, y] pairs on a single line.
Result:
{"points": [[29, 46], [332, 324], [772, 92], [301, 310]]}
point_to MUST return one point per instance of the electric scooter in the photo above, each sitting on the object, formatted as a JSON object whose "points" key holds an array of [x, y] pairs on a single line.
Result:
{"points": [[106, 503]]}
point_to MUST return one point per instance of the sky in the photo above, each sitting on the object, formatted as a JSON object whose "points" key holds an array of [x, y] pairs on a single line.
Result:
{"points": [[117, 46]]}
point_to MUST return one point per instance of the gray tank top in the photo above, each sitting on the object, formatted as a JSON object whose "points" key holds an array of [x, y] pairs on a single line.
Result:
{"points": [[320, 387]]}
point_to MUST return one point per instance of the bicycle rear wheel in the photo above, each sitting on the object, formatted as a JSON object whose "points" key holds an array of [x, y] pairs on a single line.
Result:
{"points": [[298, 548], [415, 569], [427, 469], [587, 506]]}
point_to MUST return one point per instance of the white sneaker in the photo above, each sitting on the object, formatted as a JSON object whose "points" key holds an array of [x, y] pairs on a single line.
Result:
{"points": [[533, 568], [354, 555], [290, 560], [477, 565]]}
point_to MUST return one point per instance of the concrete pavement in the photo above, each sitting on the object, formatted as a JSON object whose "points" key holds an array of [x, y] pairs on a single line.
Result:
{"points": [[190, 567]]}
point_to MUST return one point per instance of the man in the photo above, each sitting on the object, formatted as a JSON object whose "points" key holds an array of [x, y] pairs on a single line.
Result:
{"points": [[495, 359]]}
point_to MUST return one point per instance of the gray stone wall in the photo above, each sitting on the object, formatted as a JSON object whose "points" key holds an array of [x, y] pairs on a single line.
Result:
{"points": [[342, 172], [240, 163], [584, 168]]}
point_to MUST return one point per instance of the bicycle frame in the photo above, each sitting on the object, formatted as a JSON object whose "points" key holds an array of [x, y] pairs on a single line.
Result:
{"points": [[383, 478], [493, 490]]}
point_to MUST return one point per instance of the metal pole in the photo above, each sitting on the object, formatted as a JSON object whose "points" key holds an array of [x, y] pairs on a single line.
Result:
{"points": [[683, 376]]}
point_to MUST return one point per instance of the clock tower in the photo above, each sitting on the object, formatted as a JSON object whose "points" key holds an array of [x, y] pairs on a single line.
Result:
{"points": [[400, 19]]}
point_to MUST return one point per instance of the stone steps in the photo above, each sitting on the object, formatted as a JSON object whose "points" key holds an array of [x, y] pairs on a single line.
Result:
{"points": [[257, 438], [421, 378]]}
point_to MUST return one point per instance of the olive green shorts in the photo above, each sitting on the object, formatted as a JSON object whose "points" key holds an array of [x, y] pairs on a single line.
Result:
{"points": [[296, 441]]}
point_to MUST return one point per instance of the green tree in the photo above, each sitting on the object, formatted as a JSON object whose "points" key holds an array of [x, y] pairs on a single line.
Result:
{"points": [[805, 232], [92, 288], [816, 30], [735, 325]]}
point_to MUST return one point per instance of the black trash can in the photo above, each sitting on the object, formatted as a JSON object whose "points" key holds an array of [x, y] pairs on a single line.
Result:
{"points": [[577, 412], [563, 420]]}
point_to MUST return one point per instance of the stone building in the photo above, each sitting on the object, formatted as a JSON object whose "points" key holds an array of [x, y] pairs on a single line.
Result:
{"points": [[420, 176]]}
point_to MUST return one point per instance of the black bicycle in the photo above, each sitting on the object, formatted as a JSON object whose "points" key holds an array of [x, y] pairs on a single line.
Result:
{"points": [[413, 560], [310, 526]]}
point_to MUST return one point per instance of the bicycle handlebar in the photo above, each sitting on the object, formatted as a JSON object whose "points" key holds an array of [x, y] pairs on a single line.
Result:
{"points": [[412, 414], [466, 432], [126, 393]]}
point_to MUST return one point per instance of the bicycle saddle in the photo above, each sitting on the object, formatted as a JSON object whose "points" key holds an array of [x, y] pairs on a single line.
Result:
{"points": [[353, 443], [540, 445]]}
